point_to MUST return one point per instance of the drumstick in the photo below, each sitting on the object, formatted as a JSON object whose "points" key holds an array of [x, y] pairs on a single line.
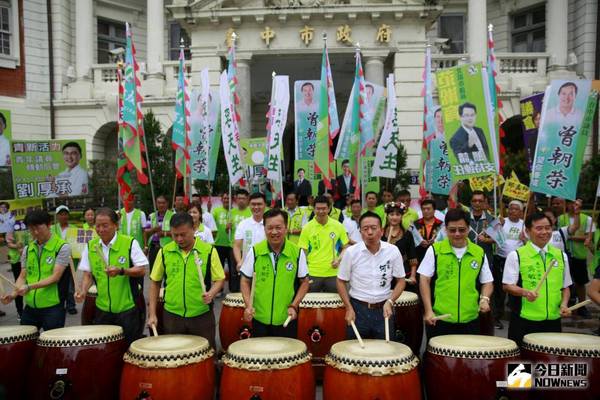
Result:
{"points": [[8, 281], [287, 321], [579, 305], [539, 285], [360, 341], [387, 329], [441, 317], [252, 289], [199, 267], [154, 330]]}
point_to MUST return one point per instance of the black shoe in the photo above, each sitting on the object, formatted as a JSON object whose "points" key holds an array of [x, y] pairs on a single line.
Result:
{"points": [[72, 311], [499, 324], [584, 312]]}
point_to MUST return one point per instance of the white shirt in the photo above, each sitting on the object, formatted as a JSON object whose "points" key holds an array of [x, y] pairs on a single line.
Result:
{"points": [[251, 232], [77, 178], [129, 215], [205, 235], [4, 151], [138, 258], [352, 229], [427, 266], [511, 268], [371, 275], [7, 222], [557, 239], [209, 221], [572, 118], [512, 232], [247, 268]]}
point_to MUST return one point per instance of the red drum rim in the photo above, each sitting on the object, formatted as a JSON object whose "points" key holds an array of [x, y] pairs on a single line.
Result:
{"points": [[563, 344], [266, 353], [322, 300], [84, 335], [168, 351], [17, 333]]}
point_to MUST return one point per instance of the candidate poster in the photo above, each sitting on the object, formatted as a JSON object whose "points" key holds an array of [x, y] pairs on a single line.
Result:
{"points": [[49, 168], [470, 135], [531, 111], [5, 137], [254, 153], [567, 116], [306, 117], [201, 149]]}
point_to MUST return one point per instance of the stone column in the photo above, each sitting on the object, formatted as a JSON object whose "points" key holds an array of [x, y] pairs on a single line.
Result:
{"points": [[155, 79], [557, 33], [373, 62], [244, 91], [84, 38], [477, 30]]}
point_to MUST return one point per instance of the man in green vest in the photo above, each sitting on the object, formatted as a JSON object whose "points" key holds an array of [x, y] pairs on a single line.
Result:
{"points": [[536, 305], [117, 264], [296, 217], [455, 280], [577, 251], [132, 221], [280, 267], [371, 200], [187, 265], [43, 282], [223, 240], [159, 233]]}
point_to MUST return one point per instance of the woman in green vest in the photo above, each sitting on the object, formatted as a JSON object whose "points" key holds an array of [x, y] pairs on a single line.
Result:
{"points": [[43, 282], [455, 280], [89, 215], [537, 304], [278, 265]]}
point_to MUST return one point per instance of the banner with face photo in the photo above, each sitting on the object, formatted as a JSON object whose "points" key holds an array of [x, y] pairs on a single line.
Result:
{"points": [[254, 153], [531, 111], [49, 168], [464, 98], [567, 116], [306, 118], [200, 149], [5, 137]]}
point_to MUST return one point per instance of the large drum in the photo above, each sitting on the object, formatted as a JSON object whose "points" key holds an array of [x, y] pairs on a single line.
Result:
{"points": [[321, 323], [169, 367], [232, 326], [467, 366], [269, 368], [88, 311], [382, 370], [79, 362], [409, 321], [565, 348], [17, 344]]}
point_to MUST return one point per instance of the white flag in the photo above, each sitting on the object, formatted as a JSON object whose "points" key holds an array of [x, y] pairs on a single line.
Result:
{"points": [[387, 150], [230, 132], [280, 102], [205, 129]]}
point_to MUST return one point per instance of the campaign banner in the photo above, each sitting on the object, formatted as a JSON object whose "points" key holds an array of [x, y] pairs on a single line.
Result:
{"points": [[531, 111], [49, 168], [438, 177], [280, 102], [254, 155], [387, 149], [309, 173], [484, 183], [5, 137], [514, 189], [20, 208], [200, 148], [230, 133], [567, 116], [306, 117], [463, 94]]}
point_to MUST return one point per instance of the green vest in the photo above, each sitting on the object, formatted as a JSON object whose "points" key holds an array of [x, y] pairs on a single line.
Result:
{"points": [[40, 267], [183, 291], [295, 223], [456, 282], [577, 249], [136, 230], [166, 226], [114, 294], [335, 213], [531, 270], [21, 237], [274, 289]]}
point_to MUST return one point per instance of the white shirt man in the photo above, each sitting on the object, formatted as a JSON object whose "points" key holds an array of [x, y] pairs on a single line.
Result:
{"points": [[352, 229], [512, 233], [209, 221], [248, 264], [251, 232], [511, 268], [427, 266], [138, 257]]}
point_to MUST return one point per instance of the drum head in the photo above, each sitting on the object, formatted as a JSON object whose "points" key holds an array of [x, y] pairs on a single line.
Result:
{"points": [[17, 333], [563, 344], [266, 353], [93, 290], [234, 300], [377, 358], [472, 346], [168, 351], [407, 299], [322, 300], [85, 335]]}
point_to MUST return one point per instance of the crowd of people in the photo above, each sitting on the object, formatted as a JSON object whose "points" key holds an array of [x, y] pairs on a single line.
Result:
{"points": [[323, 243]]}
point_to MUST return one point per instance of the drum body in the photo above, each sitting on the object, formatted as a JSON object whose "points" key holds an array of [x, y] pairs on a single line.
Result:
{"points": [[17, 344], [88, 312], [232, 326], [381, 370], [409, 321], [565, 348], [79, 362], [269, 368], [467, 366], [321, 324], [169, 367]]}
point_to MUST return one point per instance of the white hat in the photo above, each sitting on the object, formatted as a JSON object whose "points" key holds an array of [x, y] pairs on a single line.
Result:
{"points": [[62, 208], [517, 203]]}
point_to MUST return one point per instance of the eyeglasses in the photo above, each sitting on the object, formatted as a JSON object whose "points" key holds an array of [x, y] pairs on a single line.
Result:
{"points": [[459, 230]]}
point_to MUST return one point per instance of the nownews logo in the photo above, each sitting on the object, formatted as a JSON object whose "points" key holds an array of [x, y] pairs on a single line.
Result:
{"points": [[546, 376]]}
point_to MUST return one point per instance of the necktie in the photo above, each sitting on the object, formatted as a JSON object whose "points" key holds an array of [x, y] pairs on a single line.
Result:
{"points": [[543, 255]]}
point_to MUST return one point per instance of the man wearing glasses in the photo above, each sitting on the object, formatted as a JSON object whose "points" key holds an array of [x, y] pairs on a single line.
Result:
{"points": [[455, 281]]}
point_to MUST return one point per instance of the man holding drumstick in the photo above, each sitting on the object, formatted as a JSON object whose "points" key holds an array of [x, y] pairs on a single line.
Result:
{"points": [[274, 280], [537, 277], [370, 267], [456, 282]]}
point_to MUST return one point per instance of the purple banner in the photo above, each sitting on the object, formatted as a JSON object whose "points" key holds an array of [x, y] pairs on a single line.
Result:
{"points": [[531, 110]]}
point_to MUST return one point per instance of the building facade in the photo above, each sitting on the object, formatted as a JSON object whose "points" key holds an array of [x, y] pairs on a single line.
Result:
{"points": [[58, 73]]}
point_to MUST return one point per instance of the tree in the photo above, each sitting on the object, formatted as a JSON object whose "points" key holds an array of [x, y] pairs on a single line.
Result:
{"points": [[103, 183]]}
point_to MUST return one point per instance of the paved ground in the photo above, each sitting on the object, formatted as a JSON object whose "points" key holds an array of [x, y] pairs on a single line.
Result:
{"points": [[574, 324]]}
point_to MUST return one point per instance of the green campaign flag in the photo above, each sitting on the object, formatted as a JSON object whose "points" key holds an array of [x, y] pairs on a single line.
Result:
{"points": [[566, 123], [49, 168], [464, 97]]}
